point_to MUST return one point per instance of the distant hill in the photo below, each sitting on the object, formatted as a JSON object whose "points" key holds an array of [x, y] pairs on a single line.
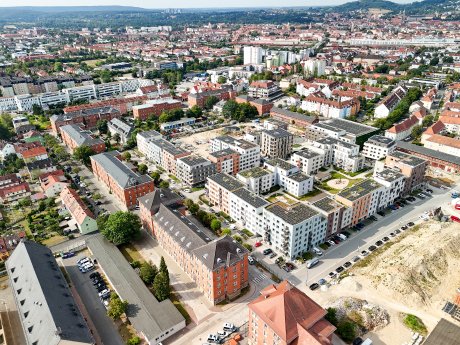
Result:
{"points": [[367, 4], [424, 6], [63, 9]]}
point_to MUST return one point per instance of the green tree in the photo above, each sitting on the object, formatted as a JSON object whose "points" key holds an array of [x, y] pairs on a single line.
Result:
{"points": [[226, 232], [142, 168], [230, 109], [427, 120], [194, 208], [117, 307], [346, 330], [121, 227], [221, 79], [331, 316], [116, 137], [210, 101], [215, 225], [37, 110], [416, 131], [58, 67], [155, 176], [161, 287], [134, 341], [102, 126], [126, 156], [164, 268], [164, 184], [148, 272], [101, 220], [194, 111], [83, 153]]}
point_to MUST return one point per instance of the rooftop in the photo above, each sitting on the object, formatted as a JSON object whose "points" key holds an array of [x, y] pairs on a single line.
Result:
{"points": [[168, 147], [388, 175], [226, 181], [351, 127], [223, 153], [278, 162], [445, 333], [380, 140], [292, 214], [299, 177], [293, 115], [255, 172], [120, 126], [80, 136], [360, 189], [250, 198], [276, 133], [193, 160], [327, 204], [308, 154]]}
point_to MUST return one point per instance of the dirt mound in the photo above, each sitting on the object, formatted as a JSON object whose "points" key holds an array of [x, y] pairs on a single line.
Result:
{"points": [[421, 268]]}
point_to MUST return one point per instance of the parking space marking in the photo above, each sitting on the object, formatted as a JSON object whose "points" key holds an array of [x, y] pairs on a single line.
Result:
{"points": [[259, 278]]}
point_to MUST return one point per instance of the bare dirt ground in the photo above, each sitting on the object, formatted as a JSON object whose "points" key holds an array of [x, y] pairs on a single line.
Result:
{"points": [[415, 274]]}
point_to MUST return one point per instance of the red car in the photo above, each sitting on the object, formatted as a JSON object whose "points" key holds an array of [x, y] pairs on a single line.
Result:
{"points": [[455, 219], [258, 244]]}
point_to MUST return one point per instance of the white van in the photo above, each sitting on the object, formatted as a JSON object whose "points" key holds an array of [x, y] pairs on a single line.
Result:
{"points": [[342, 236], [312, 262], [317, 251]]}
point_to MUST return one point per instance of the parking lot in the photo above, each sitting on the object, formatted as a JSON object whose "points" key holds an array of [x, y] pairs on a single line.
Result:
{"points": [[88, 294]]}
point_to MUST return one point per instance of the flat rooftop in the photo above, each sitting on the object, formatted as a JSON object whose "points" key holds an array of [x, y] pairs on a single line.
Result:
{"points": [[222, 153], [226, 181], [277, 133], [250, 198], [357, 129], [380, 140], [278, 162], [327, 204], [255, 172], [360, 189], [445, 333], [292, 214], [388, 175], [308, 154]]}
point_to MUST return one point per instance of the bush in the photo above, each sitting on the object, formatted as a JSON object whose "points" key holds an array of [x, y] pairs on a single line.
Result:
{"points": [[238, 239], [247, 246], [331, 316], [415, 324], [346, 330], [134, 341]]}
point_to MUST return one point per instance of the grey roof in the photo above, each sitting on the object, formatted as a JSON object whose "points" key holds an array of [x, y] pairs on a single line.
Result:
{"points": [[149, 134], [360, 189], [120, 126], [389, 175], [193, 160], [299, 177], [224, 251], [146, 314], [380, 140], [45, 304], [226, 181], [168, 147], [292, 214], [250, 198], [408, 159], [334, 141], [277, 133], [86, 112], [153, 200], [254, 172], [293, 115], [222, 153], [445, 333], [278, 162], [351, 127], [80, 136], [40, 164], [237, 142], [428, 152], [118, 170], [308, 154], [327, 204]]}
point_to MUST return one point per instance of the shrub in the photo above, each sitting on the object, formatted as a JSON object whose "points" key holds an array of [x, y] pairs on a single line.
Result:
{"points": [[346, 330], [415, 324]]}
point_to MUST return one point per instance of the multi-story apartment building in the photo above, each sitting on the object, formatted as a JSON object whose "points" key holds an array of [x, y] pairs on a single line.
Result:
{"points": [[73, 136], [226, 161], [292, 118], [283, 315], [330, 108], [393, 181], [123, 105], [258, 180], [143, 141], [265, 89], [249, 152], [345, 130], [53, 183], [289, 177], [412, 167], [219, 187], [81, 214], [247, 208], [155, 108], [363, 198], [85, 92], [378, 147], [308, 161], [403, 129], [219, 267], [120, 128], [86, 118], [337, 215], [293, 229], [200, 98], [276, 143], [252, 55], [194, 170], [12, 193], [121, 180]]}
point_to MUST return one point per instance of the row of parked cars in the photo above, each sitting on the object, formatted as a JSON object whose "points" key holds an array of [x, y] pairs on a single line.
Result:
{"points": [[85, 265], [363, 254], [101, 288], [220, 336]]}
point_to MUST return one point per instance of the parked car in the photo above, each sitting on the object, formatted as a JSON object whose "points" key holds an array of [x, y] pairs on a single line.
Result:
{"points": [[356, 259], [317, 251], [455, 219], [286, 268], [251, 260], [378, 243], [385, 239], [322, 281], [364, 253], [94, 275], [258, 244], [397, 231], [214, 338], [223, 334], [273, 255], [267, 251], [372, 248], [332, 274], [410, 224], [332, 243], [404, 227], [347, 264], [339, 269], [314, 286], [67, 255], [392, 234], [346, 233], [230, 327]]}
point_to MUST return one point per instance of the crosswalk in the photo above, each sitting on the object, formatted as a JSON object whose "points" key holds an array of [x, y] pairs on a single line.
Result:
{"points": [[259, 278]]}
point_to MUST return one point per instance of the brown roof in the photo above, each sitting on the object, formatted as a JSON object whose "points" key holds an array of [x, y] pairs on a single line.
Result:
{"points": [[4, 192], [36, 151], [292, 315], [75, 205], [404, 125], [450, 120], [446, 141], [435, 128], [450, 113]]}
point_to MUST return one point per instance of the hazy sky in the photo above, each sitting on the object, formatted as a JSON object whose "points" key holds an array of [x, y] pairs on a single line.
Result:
{"points": [[175, 3]]}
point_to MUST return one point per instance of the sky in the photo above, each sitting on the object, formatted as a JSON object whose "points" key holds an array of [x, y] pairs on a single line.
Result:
{"points": [[176, 3]]}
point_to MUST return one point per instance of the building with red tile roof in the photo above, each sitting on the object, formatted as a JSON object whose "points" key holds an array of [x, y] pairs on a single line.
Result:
{"points": [[34, 154], [81, 214], [402, 129], [284, 315], [14, 192], [53, 182], [444, 144]]}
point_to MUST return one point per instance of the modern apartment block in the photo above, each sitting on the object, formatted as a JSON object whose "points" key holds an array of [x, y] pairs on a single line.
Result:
{"points": [[308, 161], [226, 161], [265, 89], [219, 187], [219, 267], [283, 315], [276, 143], [345, 130], [143, 140], [289, 177], [247, 208], [393, 181], [249, 152], [258, 180], [46, 308], [119, 177], [73, 136], [412, 167], [293, 229], [194, 170], [378, 147], [337, 215]]}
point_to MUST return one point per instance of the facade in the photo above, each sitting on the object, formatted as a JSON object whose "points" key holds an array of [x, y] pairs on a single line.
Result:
{"points": [[200, 98], [315, 67], [155, 108], [124, 131], [81, 214], [143, 140], [12, 193], [292, 118], [247, 208], [345, 130], [120, 179], [252, 55], [412, 167], [289, 177], [249, 152], [444, 144], [308, 161], [265, 89], [262, 105], [73, 136], [258, 180], [337, 215], [194, 170], [378, 147], [46, 308], [53, 183], [276, 143], [284, 315], [330, 109], [390, 102], [173, 125], [227, 161], [402, 129], [219, 187], [293, 229]]}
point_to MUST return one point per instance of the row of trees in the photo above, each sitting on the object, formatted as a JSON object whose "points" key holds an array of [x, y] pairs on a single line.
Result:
{"points": [[239, 111], [207, 219], [157, 279]]}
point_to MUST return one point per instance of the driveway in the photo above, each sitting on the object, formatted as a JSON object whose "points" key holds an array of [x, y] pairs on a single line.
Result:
{"points": [[107, 330]]}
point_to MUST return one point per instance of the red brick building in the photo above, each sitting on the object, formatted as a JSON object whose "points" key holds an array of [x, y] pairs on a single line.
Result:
{"points": [[227, 161], [121, 180], [155, 107], [74, 136], [200, 98], [123, 105], [292, 118], [284, 315], [263, 106]]}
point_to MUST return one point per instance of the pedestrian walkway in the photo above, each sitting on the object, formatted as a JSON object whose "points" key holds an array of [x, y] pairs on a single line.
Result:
{"points": [[258, 279]]}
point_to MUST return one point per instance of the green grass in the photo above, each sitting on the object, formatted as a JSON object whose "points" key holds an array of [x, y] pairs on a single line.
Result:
{"points": [[130, 253], [175, 300], [247, 232], [352, 174], [415, 324], [196, 189], [174, 178]]}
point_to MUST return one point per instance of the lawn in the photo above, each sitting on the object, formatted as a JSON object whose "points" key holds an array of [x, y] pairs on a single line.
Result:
{"points": [[175, 300], [281, 197], [130, 253], [310, 195], [174, 178], [56, 239], [92, 63]]}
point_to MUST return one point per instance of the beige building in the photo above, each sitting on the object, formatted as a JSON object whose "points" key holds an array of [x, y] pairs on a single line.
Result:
{"points": [[276, 143]]}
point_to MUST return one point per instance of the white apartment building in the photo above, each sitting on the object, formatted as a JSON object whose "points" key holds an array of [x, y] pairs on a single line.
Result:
{"points": [[252, 55], [194, 170], [328, 108], [257, 179], [143, 142], [276, 143], [8, 104], [219, 187], [314, 67], [249, 152], [289, 177], [108, 90], [378, 147], [52, 98], [293, 229], [26, 102], [81, 92], [246, 208], [393, 183], [308, 161]]}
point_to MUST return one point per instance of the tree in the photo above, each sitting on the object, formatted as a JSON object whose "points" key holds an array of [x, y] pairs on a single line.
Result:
{"points": [[194, 208], [215, 225], [331, 316], [416, 131], [148, 272], [121, 227], [117, 307], [221, 79], [58, 67], [427, 120], [161, 287], [126, 156], [83, 153], [346, 330], [116, 137], [142, 168], [101, 220], [194, 111], [37, 110], [434, 61], [226, 231], [164, 184], [230, 109], [155, 176], [134, 341], [102, 126], [164, 268]]}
